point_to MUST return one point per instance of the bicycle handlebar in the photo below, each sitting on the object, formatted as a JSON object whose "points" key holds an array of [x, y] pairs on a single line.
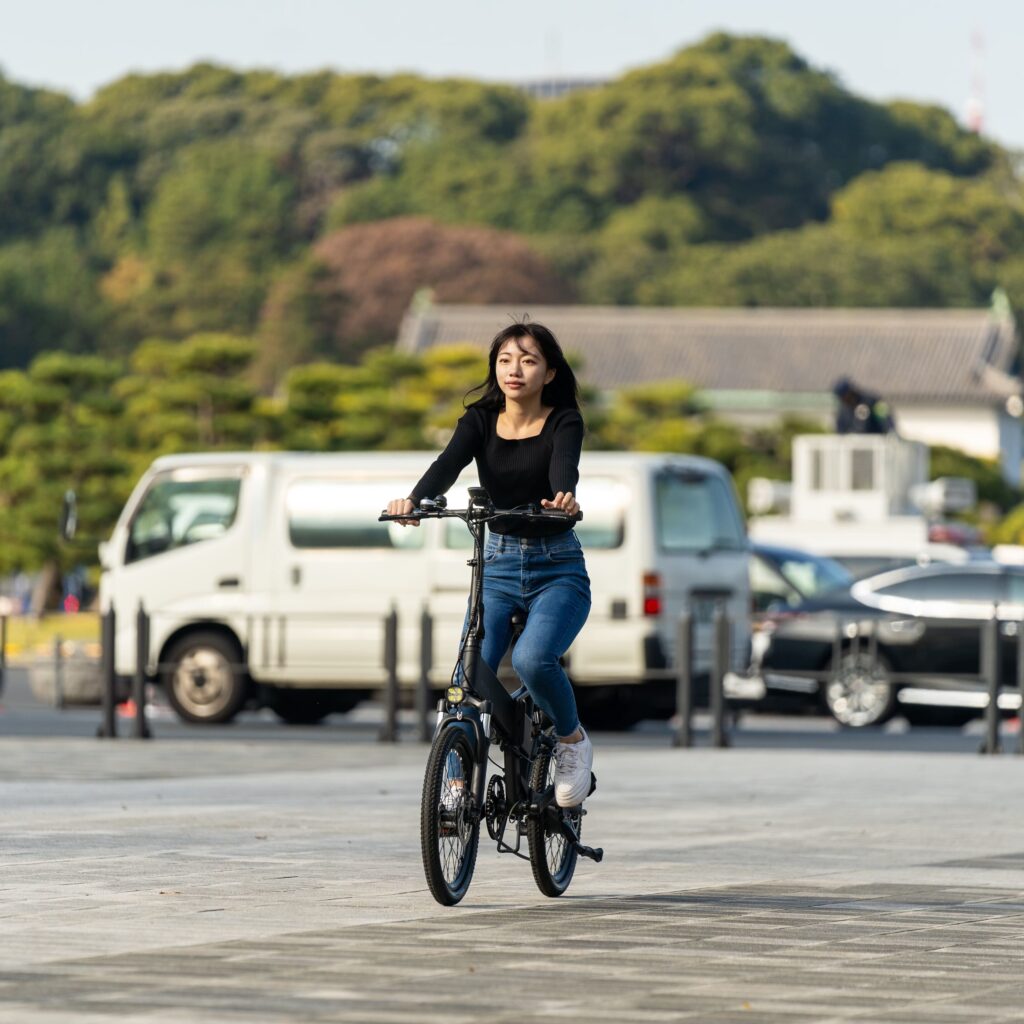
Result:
{"points": [[483, 514]]}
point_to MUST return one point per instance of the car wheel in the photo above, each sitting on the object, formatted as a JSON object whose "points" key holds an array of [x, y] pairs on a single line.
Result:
{"points": [[859, 693], [203, 678]]}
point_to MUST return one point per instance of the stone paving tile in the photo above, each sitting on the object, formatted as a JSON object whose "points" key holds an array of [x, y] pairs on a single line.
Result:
{"points": [[385, 972], [187, 882]]}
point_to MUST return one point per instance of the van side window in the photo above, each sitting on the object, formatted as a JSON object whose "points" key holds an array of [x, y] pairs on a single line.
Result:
{"points": [[176, 512], [696, 512], [603, 500], [325, 513]]}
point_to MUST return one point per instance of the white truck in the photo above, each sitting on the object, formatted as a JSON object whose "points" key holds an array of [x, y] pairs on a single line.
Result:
{"points": [[864, 500], [267, 578]]}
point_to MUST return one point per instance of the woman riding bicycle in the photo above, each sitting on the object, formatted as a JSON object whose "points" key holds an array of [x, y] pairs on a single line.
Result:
{"points": [[525, 433]]}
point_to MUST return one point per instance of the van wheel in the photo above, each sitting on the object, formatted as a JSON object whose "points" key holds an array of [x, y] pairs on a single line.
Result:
{"points": [[859, 693], [204, 679]]}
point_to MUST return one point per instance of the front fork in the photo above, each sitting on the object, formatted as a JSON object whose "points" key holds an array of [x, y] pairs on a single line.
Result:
{"points": [[474, 718]]}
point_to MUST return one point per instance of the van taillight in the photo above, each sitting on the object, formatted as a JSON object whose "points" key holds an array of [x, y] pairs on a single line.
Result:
{"points": [[652, 593]]}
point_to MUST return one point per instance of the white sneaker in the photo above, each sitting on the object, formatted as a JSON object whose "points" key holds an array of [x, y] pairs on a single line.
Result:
{"points": [[573, 762]]}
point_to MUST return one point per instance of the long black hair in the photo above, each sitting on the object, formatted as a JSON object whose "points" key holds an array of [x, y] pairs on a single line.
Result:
{"points": [[562, 391]]}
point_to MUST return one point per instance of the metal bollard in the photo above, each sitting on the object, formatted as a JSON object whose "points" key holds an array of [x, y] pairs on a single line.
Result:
{"points": [[837, 647], [426, 662], [1020, 683], [719, 666], [108, 726], [389, 728], [140, 727], [58, 671], [991, 667], [3, 651], [683, 736]]}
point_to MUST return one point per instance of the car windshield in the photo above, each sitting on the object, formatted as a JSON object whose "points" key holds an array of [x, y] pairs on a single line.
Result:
{"points": [[812, 576]]}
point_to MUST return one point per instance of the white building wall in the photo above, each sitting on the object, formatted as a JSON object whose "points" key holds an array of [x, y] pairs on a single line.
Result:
{"points": [[972, 429]]}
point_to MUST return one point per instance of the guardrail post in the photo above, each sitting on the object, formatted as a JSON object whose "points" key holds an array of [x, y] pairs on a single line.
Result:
{"points": [[719, 666], [389, 728], [683, 736], [837, 649], [108, 726], [3, 651], [1020, 684], [426, 662], [990, 662], [58, 671], [140, 727]]}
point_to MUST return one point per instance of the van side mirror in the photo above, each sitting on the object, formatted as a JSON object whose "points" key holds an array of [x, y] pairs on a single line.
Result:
{"points": [[68, 515]]}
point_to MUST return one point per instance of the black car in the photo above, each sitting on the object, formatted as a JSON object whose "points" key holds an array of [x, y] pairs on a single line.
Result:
{"points": [[927, 623], [782, 578]]}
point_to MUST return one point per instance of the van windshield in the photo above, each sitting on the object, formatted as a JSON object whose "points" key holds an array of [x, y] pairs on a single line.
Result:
{"points": [[181, 510], [696, 512]]}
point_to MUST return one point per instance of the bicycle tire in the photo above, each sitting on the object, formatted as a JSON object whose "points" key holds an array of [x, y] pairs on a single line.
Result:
{"points": [[449, 837], [552, 857]]}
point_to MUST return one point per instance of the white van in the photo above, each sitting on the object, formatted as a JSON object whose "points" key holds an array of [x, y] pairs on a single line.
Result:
{"points": [[267, 578]]}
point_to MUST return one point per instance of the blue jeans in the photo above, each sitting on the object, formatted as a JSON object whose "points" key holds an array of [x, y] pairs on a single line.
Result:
{"points": [[545, 577]]}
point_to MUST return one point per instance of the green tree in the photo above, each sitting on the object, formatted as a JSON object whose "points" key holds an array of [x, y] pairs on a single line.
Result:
{"points": [[193, 395], [48, 299], [63, 431]]}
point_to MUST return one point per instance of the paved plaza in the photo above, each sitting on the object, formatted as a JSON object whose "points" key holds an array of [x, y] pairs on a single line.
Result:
{"points": [[227, 879]]}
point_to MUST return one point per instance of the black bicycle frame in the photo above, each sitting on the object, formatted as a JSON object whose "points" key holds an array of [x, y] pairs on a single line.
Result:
{"points": [[490, 705]]}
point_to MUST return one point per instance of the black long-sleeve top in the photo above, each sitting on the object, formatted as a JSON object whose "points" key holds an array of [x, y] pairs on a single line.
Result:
{"points": [[513, 472]]}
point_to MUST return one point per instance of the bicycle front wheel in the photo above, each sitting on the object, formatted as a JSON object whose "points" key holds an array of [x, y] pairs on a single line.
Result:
{"points": [[449, 830], [552, 856]]}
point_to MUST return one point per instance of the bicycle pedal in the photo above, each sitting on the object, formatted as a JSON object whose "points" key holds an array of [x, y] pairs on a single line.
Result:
{"points": [[593, 783]]}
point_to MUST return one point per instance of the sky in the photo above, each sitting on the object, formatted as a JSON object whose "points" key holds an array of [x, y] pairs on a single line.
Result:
{"points": [[924, 50]]}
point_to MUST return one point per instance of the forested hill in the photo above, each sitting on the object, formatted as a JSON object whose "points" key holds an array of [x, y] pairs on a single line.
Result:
{"points": [[306, 211]]}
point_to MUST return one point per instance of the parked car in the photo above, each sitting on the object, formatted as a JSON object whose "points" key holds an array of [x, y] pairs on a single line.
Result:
{"points": [[927, 622], [782, 577]]}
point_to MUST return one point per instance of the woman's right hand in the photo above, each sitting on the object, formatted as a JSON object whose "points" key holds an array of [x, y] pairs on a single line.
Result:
{"points": [[402, 507]]}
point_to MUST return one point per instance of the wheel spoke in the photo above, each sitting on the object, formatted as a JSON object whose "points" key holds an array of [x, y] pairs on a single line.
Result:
{"points": [[451, 812]]}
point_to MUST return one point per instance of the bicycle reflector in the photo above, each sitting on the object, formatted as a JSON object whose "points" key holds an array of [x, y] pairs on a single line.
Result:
{"points": [[455, 695]]}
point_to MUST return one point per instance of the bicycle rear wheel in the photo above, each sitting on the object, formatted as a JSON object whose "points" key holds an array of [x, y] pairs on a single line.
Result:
{"points": [[449, 831], [552, 856]]}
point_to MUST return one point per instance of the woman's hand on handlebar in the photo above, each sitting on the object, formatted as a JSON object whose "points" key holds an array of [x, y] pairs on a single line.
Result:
{"points": [[563, 501], [401, 507]]}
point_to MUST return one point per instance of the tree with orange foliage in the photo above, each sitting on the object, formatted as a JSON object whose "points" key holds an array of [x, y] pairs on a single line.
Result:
{"points": [[352, 292]]}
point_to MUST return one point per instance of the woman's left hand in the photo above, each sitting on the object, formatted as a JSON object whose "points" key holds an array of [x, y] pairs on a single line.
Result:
{"points": [[564, 501]]}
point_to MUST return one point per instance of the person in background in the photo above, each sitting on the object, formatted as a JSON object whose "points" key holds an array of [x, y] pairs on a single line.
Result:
{"points": [[859, 411]]}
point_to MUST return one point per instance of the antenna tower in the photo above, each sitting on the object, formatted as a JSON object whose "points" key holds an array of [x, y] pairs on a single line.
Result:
{"points": [[976, 98]]}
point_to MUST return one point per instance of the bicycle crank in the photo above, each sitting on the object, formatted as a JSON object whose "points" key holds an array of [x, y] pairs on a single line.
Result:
{"points": [[496, 807]]}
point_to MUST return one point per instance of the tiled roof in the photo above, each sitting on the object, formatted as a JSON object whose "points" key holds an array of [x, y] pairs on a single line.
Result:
{"points": [[957, 355]]}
